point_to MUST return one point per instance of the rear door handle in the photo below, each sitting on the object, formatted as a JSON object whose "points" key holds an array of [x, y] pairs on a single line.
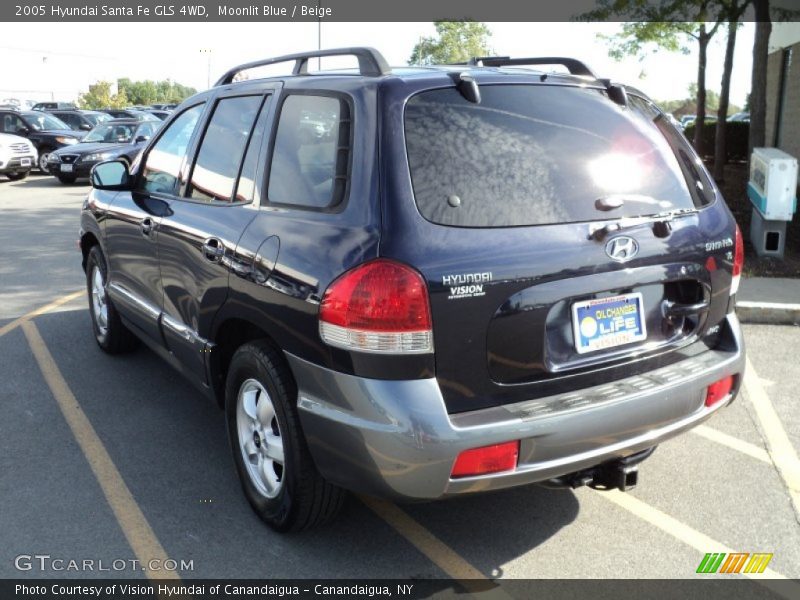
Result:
{"points": [[213, 249], [147, 226]]}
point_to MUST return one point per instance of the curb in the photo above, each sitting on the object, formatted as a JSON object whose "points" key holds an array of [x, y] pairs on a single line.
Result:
{"points": [[768, 313]]}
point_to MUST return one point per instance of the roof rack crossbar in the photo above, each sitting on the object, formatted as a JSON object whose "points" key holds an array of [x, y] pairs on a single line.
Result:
{"points": [[574, 66], [370, 62]]}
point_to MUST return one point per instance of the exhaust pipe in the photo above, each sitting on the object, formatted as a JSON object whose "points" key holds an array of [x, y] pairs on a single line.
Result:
{"points": [[618, 474]]}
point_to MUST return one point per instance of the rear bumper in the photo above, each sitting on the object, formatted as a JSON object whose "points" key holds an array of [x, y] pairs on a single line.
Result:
{"points": [[395, 438]]}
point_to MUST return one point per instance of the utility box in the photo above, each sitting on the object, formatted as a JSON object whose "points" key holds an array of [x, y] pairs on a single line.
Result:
{"points": [[772, 190], [773, 183]]}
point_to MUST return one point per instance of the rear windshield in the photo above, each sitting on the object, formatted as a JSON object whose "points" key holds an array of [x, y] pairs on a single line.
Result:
{"points": [[533, 155]]}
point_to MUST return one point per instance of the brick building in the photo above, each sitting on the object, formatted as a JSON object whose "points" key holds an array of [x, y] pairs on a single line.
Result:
{"points": [[783, 88]]}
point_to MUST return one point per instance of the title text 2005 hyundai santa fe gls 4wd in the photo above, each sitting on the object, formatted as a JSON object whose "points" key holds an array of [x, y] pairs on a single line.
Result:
{"points": [[423, 282]]}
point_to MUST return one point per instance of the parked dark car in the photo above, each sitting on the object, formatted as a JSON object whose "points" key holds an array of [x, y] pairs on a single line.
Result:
{"points": [[117, 139], [458, 279], [159, 114], [81, 120], [169, 107], [53, 106], [45, 131], [129, 113]]}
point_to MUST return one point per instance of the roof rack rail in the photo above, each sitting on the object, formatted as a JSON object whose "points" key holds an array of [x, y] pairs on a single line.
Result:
{"points": [[370, 62], [575, 67]]}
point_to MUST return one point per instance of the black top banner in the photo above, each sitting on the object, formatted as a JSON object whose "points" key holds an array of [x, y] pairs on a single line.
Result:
{"points": [[313, 10]]}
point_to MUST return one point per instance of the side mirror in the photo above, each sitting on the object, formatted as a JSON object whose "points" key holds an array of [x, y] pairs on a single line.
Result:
{"points": [[141, 138], [22, 131], [111, 175], [86, 127]]}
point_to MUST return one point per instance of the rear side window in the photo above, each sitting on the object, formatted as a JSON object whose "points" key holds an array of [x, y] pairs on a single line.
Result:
{"points": [[164, 160], [310, 159], [534, 155], [222, 149]]}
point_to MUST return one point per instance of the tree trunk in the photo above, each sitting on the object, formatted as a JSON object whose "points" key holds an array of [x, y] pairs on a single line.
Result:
{"points": [[701, 91], [758, 89], [720, 148]]}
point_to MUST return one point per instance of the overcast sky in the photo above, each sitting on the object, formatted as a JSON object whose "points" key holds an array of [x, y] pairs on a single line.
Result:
{"points": [[82, 53]]}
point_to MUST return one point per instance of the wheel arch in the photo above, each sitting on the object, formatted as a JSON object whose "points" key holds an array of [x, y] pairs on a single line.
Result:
{"points": [[230, 334], [88, 241]]}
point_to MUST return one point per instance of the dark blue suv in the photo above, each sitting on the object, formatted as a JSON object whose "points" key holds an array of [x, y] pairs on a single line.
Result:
{"points": [[423, 282]]}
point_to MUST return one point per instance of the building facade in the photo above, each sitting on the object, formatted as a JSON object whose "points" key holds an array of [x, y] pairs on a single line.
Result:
{"points": [[783, 88]]}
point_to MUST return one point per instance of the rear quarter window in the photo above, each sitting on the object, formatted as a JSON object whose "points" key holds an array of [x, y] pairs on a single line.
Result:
{"points": [[537, 154]]}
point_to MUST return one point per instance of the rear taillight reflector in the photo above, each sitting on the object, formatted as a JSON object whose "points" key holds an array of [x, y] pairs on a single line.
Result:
{"points": [[719, 390], [738, 261], [380, 306], [489, 459]]}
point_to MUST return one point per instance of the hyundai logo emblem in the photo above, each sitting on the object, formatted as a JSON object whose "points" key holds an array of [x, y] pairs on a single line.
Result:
{"points": [[622, 248]]}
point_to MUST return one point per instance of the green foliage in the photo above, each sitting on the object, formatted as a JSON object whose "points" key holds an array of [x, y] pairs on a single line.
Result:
{"points": [[99, 96], [455, 41], [737, 134], [639, 39], [150, 92]]}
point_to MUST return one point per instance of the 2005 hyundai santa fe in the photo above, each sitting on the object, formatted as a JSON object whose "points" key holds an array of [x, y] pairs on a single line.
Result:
{"points": [[423, 282]]}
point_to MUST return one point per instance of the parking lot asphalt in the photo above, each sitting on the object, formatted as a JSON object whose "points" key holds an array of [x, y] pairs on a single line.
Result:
{"points": [[111, 458]]}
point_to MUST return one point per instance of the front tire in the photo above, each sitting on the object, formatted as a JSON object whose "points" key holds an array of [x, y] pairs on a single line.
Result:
{"points": [[109, 332], [272, 459], [44, 156]]}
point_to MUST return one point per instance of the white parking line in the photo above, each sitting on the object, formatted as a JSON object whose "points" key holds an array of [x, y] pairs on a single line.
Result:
{"points": [[699, 541], [732, 442], [779, 446]]}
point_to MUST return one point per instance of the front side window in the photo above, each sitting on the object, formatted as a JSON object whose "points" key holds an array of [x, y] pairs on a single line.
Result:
{"points": [[537, 154], [222, 148], [311, 152], [12, 123], [163, 162]]}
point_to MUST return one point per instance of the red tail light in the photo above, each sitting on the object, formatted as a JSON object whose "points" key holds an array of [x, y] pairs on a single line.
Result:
{"points": [[380, 306], [489, 459], [719, 390], [738, 261]]}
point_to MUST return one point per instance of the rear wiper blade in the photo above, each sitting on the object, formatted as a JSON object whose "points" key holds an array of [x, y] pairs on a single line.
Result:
{"points": [[659, 221]]}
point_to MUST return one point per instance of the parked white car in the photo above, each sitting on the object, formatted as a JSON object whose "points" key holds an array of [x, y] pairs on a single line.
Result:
{"points": [[17, 156]]}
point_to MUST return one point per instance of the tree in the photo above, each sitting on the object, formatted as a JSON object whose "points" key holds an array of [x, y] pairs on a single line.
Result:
{"points": [[455, 42], [150, 92], [732, 12], [100, 96], [758, 84], [665, 24]]}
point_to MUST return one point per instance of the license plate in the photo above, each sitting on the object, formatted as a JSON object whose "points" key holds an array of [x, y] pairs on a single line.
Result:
{"points": [[66, 168], [608, 322], [25, 162]]}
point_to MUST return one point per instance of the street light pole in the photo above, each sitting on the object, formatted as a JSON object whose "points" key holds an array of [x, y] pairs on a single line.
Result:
{"points": [[207, 52]]}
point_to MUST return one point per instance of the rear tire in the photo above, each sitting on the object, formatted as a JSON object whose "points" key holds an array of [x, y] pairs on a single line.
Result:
{"points": [[109, 332], [17, 176], [272, 459]]}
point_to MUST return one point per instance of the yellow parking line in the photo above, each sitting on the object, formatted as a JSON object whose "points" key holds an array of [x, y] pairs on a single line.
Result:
{"points": [[699, 541], [779, 446], [40, 311], [137, 530], [732, 442], [447, 559]]}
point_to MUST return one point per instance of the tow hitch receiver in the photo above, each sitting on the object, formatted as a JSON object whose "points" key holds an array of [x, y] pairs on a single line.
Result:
{"points": [[619, 474]]}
